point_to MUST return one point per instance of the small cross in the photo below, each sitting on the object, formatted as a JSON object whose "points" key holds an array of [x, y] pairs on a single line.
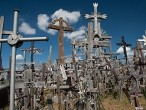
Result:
{"points": [[96, 17]]}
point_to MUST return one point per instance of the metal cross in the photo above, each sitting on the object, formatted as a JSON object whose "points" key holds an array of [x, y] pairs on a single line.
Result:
{"points": [[124, 45], [13, 40]]}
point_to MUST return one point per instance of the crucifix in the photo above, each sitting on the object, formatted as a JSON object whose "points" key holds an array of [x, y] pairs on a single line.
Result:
{"points": [[63, 26], [124, 45], [14, 40]]}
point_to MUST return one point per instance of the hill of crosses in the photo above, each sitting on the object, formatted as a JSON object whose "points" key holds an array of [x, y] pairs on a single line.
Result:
{"points": [[91, 78]]}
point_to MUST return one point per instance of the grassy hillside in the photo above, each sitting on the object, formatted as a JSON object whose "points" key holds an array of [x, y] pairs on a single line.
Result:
{"points": [[110, 103]]}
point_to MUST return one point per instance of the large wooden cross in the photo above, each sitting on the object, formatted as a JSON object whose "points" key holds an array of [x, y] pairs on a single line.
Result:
{"points": [[61, 27]]}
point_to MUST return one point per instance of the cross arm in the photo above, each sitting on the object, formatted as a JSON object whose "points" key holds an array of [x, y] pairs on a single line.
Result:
{"points": [[67, 29], [51, 26], [56, 27], [119, 44], [87, 16], [12, 41], [128, 45], [34, 39]]}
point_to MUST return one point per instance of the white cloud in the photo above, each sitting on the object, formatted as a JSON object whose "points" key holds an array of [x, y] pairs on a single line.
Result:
{"points": [[71, 17], [79, 38], [144, 51], [26, 29], [69, 60], [121, 51], [43, 19], [43, 23], [19, 57], [52, 31], [130, 53], [76, 35]]}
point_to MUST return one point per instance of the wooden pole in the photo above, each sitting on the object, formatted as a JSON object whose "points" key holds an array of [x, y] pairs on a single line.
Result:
{"points": [[58, 92]]}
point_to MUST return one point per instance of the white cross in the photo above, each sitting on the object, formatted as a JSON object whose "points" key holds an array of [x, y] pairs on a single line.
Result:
{"points": [[144, 39]]}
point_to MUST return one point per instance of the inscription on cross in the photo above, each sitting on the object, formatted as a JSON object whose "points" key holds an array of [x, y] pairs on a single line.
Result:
{"points": [[63, 26], [14, 40]]}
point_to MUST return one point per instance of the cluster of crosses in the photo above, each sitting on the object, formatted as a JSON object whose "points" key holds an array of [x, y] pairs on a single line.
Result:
{"points": [[73, 82]]}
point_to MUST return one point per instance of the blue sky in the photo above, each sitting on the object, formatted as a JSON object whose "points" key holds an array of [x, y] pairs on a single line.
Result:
{"points": [[124, 17]]}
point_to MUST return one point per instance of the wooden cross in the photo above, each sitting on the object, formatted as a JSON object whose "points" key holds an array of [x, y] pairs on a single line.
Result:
{"points": [[63, 26], [32, 50], [124, 45], [140, 53], [138, 49]]}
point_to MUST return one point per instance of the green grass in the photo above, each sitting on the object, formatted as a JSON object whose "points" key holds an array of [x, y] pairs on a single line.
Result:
{"points": [[110, 103]]}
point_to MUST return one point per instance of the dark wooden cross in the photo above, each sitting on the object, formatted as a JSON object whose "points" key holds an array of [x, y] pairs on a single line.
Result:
{"points": [[61, 27], [141, 60], [138, 49], [124, 45], [140, 53]]}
